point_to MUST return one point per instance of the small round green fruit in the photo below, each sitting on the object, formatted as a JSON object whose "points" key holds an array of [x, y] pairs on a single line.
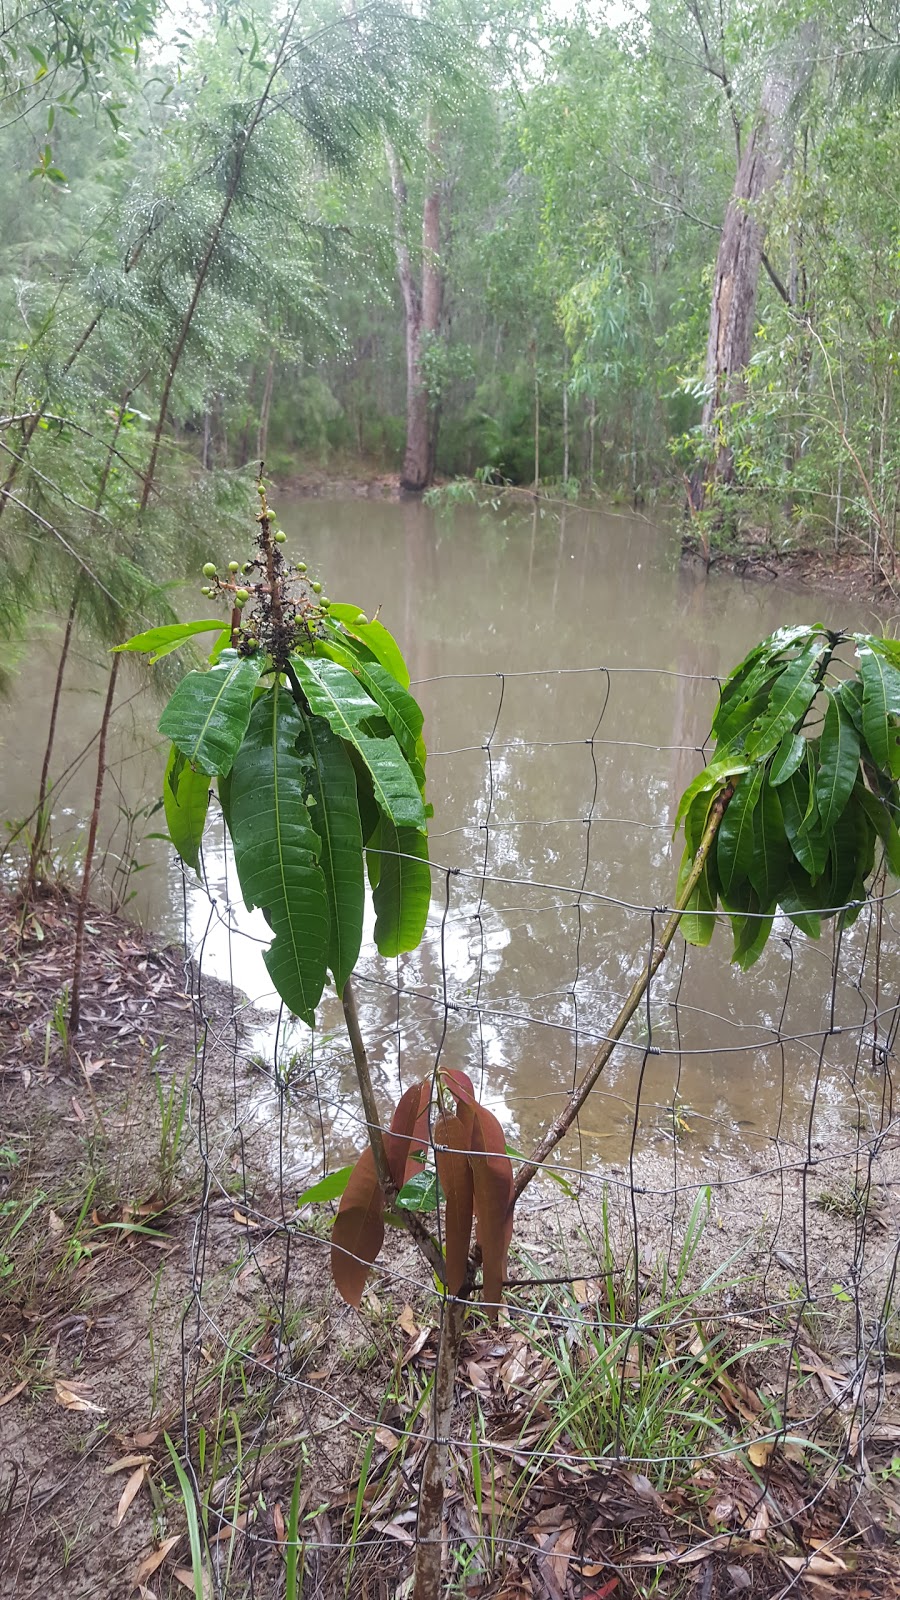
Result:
{"points": [[209, 571], [324, 602], [316, 588], [247, 567], [242, 596], [234, 566], [280, 536], [301, 566], [361, 620]]}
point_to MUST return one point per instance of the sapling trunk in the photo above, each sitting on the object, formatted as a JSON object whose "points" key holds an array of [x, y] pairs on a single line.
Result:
{"points": [[83, 899], [430, 1518], [41, 827]]}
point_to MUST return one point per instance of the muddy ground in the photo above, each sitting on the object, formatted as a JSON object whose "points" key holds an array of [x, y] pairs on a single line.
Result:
{"points": [[160, 1293]]}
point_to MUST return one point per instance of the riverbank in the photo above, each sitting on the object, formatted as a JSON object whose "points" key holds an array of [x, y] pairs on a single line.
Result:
{"points": [[159, 1283]]}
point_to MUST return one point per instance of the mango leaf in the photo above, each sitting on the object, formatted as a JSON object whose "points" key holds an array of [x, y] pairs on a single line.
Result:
{"points": [[375, 636], [850, 694], [713, 777], [697, 924], [838, 762], [455, 1174], [745, 692], [848, 855], [420, 1193], [208, 714], [331, 1187], [335, 694], [880, 709], [880, 817], [402, 894], [401, 712], [751, 931], [329, 785], [787, 758], [809, 844], [734, 840], [276, 851], [185, 803], [159, 642], [404, 1145], [358, 1231], [493, 1194], [792, 694], [460, 1085], [799, 900], [771, 848]]}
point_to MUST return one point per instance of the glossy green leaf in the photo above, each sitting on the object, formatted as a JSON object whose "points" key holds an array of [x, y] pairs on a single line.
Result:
{"points": [[420, 1193], [800, 899], [787, 758], [880, 709], [698, 920], [402, 713], [771, 849], [885, 827], [809, 844], [159, 642], [185, 803], [850, 694], [847, 846], [751, 932], [734, 840], [402, 894], [276, 851], [838, 762], [792, 694], [207, 716], [331, 1187], [329, 785], [712, 778], [751, 678], [335, 694], [375, 636]]}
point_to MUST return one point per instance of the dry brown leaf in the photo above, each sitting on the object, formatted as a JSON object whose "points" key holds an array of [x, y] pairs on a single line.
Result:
{"points": [[386, 1437], [417, 1345], [123, 1463], [74, 1396], [278, 1521], [819, 1566], [11, 1393], [395, 1531], [760, 1451], [580, 1291], [55, 1225], [759, 1526], [478, 1377], [148, 1436], [246, 1222], [128, 1493], [407, 1323], [146, 1568]]}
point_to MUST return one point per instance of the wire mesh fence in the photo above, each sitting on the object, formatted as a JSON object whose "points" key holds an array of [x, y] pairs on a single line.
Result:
{"points": [[691, 1376]]}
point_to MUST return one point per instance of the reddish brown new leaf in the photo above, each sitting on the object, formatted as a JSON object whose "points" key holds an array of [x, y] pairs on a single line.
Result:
{"points": [[358, 1232], [492, 1180], [455, 1174], [404, 1141], [460, 1085]]}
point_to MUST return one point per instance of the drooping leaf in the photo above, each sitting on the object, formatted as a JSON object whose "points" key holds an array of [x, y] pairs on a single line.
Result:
{"points": [[734, 840], [751, 679], [159, 642], [787, 758], [848, 844], [792, 694], [404, 1145], [751, 929], [276, 851], [492, 1184], [358, 1232], [331, 1187], [838, 762], [800, 900], [697, 920], [713, 777], [330, 784], [375, 636], [207, 716], [850, 694], [455, 1174], [771, 849], [335, 694], [402, 894], [185, 803], [808, 843], [880, 709], [401, 712], [885, 826]]}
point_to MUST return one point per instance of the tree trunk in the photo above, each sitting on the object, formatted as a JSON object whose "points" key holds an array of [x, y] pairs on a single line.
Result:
{"points": [[422, 308], [262, 437], [565, 404], [741, 245], [84, 897]]}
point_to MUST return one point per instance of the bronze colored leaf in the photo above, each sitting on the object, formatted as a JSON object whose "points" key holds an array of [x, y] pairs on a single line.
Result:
{"points": [[358, 1232], [459, 1084], [455, 1175], [492, 1180], [128, 1493], [401, 1143]]}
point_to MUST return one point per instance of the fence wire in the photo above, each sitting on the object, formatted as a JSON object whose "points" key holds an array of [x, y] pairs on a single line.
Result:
{"points": [[702, 1277]]}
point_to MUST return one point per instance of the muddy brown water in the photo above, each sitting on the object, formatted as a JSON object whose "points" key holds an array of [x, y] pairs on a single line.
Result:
{"points": [[566, 663]]}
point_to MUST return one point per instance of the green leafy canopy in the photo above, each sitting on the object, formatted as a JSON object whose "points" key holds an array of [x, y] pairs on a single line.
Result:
{"points": [[802, 788]]}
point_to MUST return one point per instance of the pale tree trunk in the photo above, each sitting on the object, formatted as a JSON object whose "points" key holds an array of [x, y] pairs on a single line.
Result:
{"points": [[740, 257], [262, 437], [422, 308], [565, 404]]}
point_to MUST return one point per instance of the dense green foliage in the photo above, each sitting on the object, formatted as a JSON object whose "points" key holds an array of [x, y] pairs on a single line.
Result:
{"points": [[802, 787]]}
